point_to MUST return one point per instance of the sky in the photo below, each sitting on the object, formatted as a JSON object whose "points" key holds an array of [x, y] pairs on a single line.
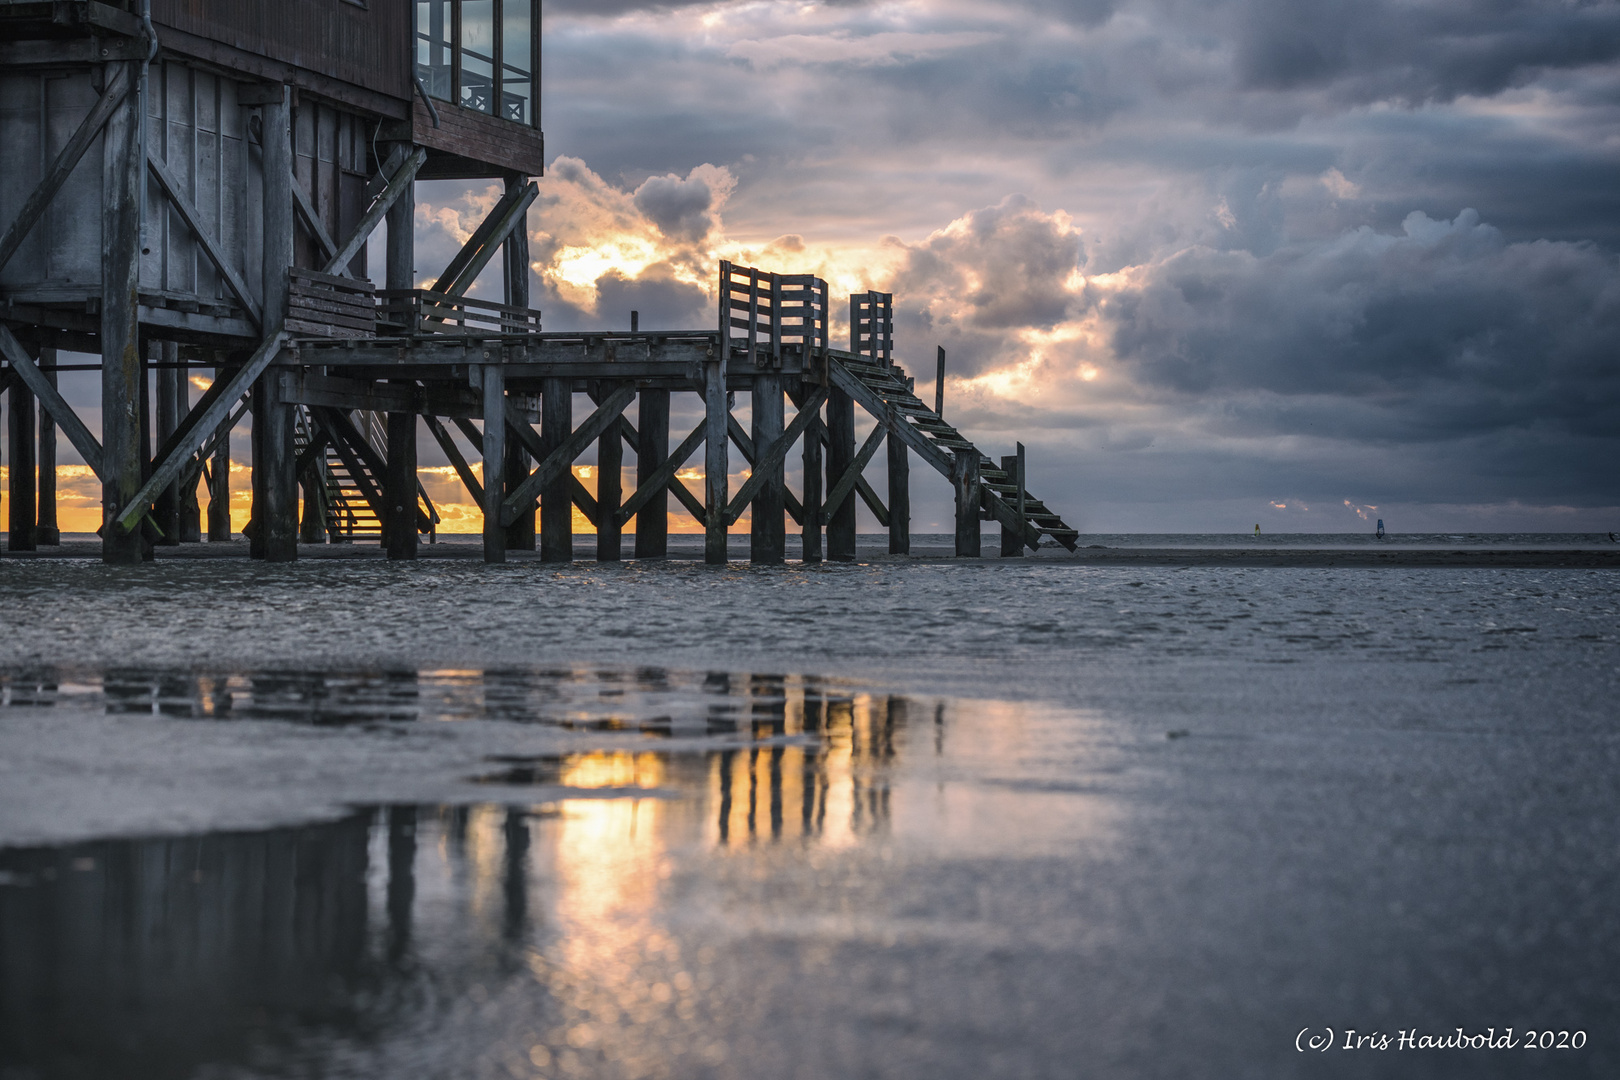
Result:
{"points": [[1298, 264], [1302, 264]]}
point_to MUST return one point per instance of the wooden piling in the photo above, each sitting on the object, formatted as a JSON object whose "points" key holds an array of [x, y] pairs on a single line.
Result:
{"points": [[279, 524], [494, 393], [939, 385], [166, 513], [557, 497], [399, 487], [767, 537], [520, 535], [840, 456], [717, 439], [810, 526], [190, 509], [123, 166], [609, 490], [899, 489], [46, 532], [21, 447], [219, 487], [965, 479], [652, 450], [1012, 542]]}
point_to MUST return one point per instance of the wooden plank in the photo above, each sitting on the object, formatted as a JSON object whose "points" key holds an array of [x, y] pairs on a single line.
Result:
{"points": [[652, 451], [869, 496], [400, 534], [1012, 539], [810, 517], [469, 479], [52, 400], [899, 492], [205, 239], [506, 215], [716, 413], [494, 443], [561, 459], [21, 467], [580, 497], [839, 516], [969, 495], [33, 208], [123, 448], [841, 378], [609, 484], [684, 496]]}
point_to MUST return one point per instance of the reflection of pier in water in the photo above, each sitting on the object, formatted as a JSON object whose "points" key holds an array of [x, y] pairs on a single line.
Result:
{"points": [[174, 952]]}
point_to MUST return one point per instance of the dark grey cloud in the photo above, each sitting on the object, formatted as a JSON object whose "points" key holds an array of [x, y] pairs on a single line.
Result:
{"points": [[680, 208]]}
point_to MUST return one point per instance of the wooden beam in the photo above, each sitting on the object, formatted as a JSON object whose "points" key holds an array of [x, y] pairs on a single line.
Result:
{"points": [[716, 413], [33, 208], [846, 483], [581, 497], [774, 457], [313, 225], [216, 254], [494, 443], [397, 184], [201, 420], [453, 452], [66, 419], [481, 246], [123, 373], [839, 517], [965, 482], [354, 451], [660, 479], [651, 443], [684, 496], [562, 458], [745, 445], [609, 493], [899, 490], [869, 400], [22, 466], [556, 501]]}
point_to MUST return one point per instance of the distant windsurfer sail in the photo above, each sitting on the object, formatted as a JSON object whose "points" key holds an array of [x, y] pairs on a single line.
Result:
{"points": [[1257, 532], [1380, 528]]}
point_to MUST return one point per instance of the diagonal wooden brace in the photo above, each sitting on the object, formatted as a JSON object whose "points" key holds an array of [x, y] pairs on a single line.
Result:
{"points": [[469, 262], [85, 443], [312, 221], [562, 458], [362, 232], [193, 219], [777, 454], [168, 468], [664, 477], [34, 208], [453, 452], [846, 483]]}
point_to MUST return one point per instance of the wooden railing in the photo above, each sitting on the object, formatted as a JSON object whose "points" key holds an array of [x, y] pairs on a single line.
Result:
{"points": [[422, 311]]}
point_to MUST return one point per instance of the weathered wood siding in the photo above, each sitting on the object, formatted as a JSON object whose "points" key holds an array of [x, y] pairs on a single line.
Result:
{"points": [[365, 46]]}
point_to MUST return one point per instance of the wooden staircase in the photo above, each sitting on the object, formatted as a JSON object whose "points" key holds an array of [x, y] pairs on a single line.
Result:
{"points": [[888, 383]]}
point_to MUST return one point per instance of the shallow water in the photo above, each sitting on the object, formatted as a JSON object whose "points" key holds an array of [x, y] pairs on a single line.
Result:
{"points": [[1018, 820]]}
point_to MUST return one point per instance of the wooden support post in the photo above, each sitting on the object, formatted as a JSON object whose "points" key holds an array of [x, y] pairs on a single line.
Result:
{"points": [[494, 388], [399, 487], [312, 481], [1012, 540], [167, 511], [46, 532], [716, 410], [278, 526], [965, 479], [556, 500], [652, 450], [609, 492], [254, 529], [21, 446], [520, 535], [810, 516], [767, 539], [939, 386], [840, 455], [123, 166], [899, 489], [219, 484], [190, 511]]}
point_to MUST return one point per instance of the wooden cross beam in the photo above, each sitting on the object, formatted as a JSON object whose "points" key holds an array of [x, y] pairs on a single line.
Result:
{"points": [[192, 432], [453, 452], [199, 461], [312, 222], [362, 232], [776, 455], [562, 459], [34, 207], [745, 443], [846, 483], [481, 246], [66, 419], [664, 478], [216, 254]]}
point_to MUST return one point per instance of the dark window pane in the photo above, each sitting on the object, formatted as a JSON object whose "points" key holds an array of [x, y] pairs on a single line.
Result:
{"points": [[478, 55], [433, 25], [517, 65]]}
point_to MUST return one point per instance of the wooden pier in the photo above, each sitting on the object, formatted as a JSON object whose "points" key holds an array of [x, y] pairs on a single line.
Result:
{"points": [[149, 254]]}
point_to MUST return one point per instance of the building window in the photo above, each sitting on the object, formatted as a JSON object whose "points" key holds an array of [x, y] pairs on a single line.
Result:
{"points": [[480, 54]]}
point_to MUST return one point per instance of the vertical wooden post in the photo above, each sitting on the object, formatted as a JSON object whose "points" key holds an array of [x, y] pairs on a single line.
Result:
{"points": [[494, 387], [1012, 543], [190, 510], [557, 497], [840, 456], [609, 493], [254, 529], [312, 526], [520, 535], [46, 533], [219, 486], [899, 488], [767, 535], [810, 532], [20, 458], [399, 487], [652, 450], [1023, 487], [965, 479], [939, 385], [279, 524], [716, 412], [123, 169], [167, 511]]}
